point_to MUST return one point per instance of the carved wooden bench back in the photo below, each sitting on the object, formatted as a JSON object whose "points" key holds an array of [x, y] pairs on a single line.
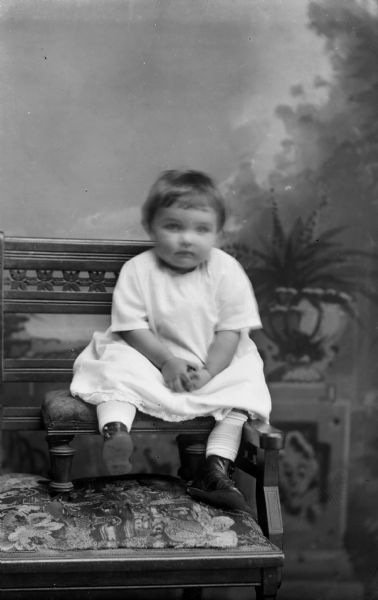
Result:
{"points": [[55, 277]]}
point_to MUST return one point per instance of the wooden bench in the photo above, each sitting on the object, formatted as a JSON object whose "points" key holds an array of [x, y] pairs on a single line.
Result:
{"points": [[46, 278]]}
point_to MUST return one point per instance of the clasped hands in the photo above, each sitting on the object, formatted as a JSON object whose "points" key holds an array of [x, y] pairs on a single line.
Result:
{"points": [[183, 376]]}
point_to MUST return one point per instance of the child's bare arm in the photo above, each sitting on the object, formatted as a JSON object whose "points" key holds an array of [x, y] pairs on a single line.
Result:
{"points": [[147, 344], [173, 369], [221, 353]]}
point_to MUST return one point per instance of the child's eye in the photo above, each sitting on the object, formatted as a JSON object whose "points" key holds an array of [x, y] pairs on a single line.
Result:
{"points": [[172, 226], [203, 229]]}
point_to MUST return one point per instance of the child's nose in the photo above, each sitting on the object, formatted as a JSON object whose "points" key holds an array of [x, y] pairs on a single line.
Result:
{"points": [[186, 237]]}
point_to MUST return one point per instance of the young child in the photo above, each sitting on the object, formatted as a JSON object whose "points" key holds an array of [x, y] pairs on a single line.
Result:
{"points": [[178, 344]]}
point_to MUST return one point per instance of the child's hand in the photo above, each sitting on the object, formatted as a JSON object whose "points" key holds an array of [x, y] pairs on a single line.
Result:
{"points": [[177, 374], [199, 378]]}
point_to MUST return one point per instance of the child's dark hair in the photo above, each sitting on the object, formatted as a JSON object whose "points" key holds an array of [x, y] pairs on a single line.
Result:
{"points": [[173, 185]]}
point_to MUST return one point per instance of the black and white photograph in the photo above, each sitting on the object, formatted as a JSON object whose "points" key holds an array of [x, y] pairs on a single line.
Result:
{"points": [[188, 299]]}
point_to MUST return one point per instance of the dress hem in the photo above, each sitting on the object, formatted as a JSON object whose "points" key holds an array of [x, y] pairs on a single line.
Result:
{"points": [[218, 416]]}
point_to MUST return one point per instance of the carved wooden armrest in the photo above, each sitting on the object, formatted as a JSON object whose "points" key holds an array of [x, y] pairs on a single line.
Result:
{"points": [[259, 457], [262, 435]]}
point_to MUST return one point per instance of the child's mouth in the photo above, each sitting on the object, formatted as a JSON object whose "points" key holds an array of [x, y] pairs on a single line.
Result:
{"points": [[185, 254]]}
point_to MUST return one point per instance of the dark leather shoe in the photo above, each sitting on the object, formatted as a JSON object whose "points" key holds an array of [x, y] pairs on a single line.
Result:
{"points": [[117, 449], [215, 486]]}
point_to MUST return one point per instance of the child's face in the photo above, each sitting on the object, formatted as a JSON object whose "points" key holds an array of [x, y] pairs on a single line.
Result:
{"points": [[184, 236]]}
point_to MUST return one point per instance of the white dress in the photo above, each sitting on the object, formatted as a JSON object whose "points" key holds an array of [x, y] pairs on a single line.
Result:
{"points": [[183, 311]]}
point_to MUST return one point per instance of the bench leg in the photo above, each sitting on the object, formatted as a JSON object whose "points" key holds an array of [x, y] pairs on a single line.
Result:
{"points": [[192, 449], [61, 456], [270, 584], [261, 596]]}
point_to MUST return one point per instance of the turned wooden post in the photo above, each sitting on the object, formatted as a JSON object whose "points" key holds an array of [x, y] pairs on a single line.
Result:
{"points": [[61, 456]]}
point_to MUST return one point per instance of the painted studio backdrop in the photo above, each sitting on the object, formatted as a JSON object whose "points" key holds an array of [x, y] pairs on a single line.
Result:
{"points": [[278, 101]]}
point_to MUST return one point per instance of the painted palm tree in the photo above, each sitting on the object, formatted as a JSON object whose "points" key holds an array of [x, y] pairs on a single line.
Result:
{"points": [[307, 284]]}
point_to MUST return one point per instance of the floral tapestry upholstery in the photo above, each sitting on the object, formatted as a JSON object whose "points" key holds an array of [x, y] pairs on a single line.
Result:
{"points": [[133, 511]]}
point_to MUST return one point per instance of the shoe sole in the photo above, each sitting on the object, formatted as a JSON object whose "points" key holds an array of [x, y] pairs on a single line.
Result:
{"points": [[116, 453], [226, 499]]}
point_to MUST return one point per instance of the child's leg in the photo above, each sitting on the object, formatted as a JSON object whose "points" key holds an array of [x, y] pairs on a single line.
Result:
{"points": [[224, 440], [115, 420], [214, 484], [114, 411]]}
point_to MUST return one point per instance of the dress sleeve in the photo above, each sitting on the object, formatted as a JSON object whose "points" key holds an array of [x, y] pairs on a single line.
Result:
{"points": [[128, 305], [237, 305]]}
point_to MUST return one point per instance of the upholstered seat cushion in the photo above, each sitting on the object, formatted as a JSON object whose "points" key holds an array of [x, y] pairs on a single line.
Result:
{"points": [[61, 411], [132, 511]]}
